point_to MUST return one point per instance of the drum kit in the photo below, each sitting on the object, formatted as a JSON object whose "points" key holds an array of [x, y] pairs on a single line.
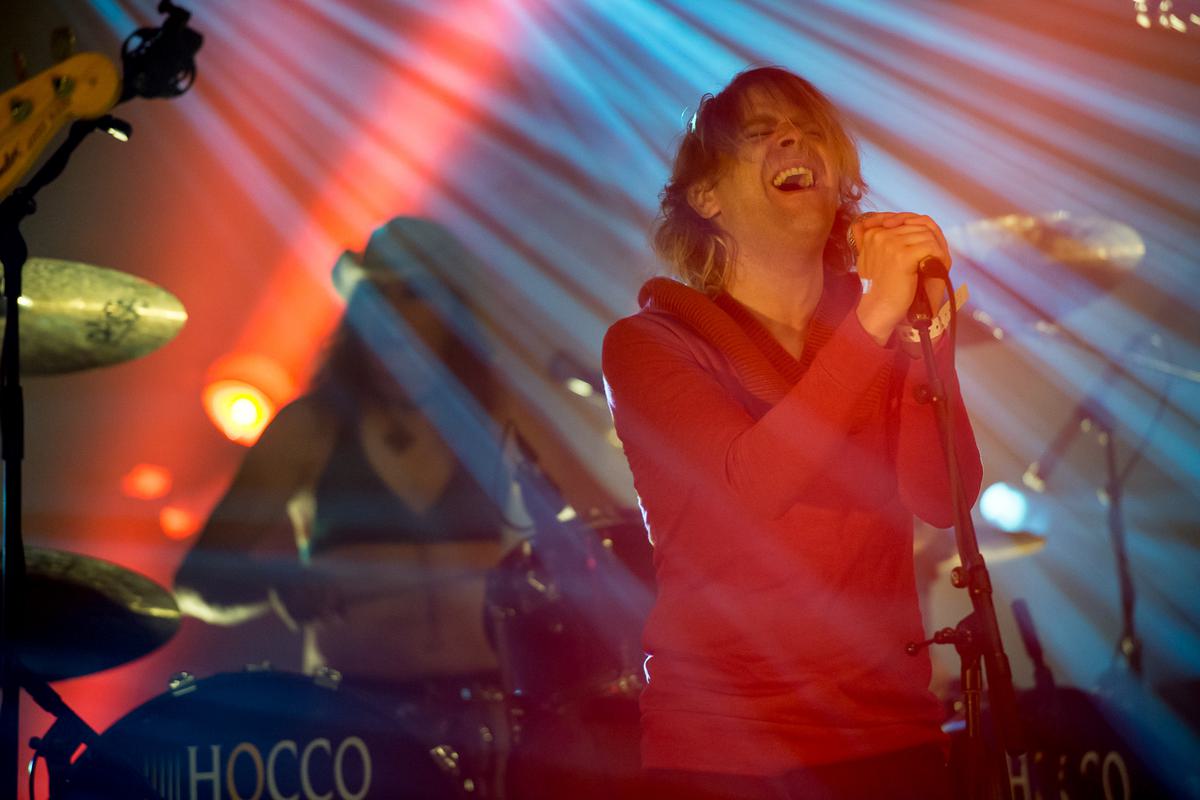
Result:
{"points": [[582, 590], [560, 615]]}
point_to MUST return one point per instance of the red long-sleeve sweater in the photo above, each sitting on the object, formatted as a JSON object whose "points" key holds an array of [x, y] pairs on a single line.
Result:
{"points": [[779, 495]]}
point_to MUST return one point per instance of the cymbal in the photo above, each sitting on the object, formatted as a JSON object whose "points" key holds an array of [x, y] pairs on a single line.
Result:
{"points": [[75, 316], [1091, 244], [85, 615], [937, 548], [1000, 547], [1067, 261]]}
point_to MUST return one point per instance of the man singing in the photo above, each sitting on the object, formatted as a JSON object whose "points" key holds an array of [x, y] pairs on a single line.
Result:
{"points": [[775, 420]]}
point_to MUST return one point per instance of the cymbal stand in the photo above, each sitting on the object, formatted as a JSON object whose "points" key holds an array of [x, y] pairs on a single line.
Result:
{"points": [[64, 738], [68, 732], [13, 253], [158, 63], [1090, 415], [977, 637]]}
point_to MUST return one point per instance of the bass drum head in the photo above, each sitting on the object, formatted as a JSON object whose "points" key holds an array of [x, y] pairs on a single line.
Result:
{"points": [[256, 735]]}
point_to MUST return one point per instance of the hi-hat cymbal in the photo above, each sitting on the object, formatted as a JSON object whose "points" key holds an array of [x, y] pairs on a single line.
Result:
{"points": [[75, 316], [83, 615]]}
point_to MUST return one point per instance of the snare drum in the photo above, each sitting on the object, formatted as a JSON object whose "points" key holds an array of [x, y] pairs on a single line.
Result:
{"points": [[264, 734]]}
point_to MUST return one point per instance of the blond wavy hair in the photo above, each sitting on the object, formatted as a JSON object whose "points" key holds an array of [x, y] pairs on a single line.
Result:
{"points": [[694, 247]]}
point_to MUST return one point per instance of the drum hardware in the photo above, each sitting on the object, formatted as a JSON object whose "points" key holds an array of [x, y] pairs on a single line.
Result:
{"points": [[158, 63], [64, 738], [90, 615], [934, 551], [181, 683], [1081, 744], [76, 316], [566, 616], [1094, 252], [447, 758], [327, 677], [565, 610], [1091, 415], [1104, 247], [1102, 253]]}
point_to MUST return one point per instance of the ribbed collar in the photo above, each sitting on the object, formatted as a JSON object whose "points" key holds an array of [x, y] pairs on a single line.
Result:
{"points": [[761, 364]]}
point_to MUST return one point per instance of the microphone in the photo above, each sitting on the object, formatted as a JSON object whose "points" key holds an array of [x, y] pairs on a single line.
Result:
{"points": [[930, 267]]}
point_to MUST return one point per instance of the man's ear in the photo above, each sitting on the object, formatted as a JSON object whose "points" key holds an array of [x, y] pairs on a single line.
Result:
{"points": [[703, 200]]}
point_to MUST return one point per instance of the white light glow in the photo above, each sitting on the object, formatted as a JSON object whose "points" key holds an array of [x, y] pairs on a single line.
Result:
{"points": [[1004, 507]]}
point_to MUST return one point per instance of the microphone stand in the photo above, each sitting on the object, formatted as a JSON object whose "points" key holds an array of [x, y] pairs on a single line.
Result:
{"points": [[158, 63], [977, 637]]}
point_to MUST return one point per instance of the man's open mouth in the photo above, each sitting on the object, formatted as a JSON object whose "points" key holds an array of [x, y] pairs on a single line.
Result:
{"points": [[793, 179]]}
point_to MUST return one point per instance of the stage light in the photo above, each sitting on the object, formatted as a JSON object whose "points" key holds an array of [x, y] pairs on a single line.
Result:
{"points": [[240, 410], [246, 411], [178, 522], [146, 482], [580, 387], [1004, 507], [243, 393]]}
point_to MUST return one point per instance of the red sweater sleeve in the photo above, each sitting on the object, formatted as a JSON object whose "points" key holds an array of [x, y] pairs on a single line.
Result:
{"points": [[675, 416]]}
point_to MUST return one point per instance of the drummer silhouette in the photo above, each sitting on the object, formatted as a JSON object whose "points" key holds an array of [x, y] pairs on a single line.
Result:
{"points": [[372, 514], [390, 472]]}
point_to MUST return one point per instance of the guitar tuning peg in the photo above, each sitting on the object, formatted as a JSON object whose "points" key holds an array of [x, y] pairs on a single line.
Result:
{"points": [[62, 43], [20, 66]]}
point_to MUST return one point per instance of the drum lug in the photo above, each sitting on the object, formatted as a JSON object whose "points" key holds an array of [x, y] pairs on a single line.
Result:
{"points": [[258, 666], [327, 677], [446, 757], [181, 683]]}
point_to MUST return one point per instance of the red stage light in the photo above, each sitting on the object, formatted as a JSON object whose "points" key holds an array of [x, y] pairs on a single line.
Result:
{"points": [[240, 410], [177, 522], [243, 394], [147, 482]]}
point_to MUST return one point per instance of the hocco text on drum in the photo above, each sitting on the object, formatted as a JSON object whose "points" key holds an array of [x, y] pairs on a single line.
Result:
{"points": [[322, 770]]}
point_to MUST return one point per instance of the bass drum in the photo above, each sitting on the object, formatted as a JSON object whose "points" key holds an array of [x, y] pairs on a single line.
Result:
{"points": [[263, 734], [1080, 746]]}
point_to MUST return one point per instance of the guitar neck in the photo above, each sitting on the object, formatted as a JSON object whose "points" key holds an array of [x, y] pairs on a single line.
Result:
{"points": [[81, 87]]}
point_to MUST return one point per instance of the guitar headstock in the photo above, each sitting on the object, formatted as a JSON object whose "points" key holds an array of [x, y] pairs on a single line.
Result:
{"points": [[80, 87]]}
